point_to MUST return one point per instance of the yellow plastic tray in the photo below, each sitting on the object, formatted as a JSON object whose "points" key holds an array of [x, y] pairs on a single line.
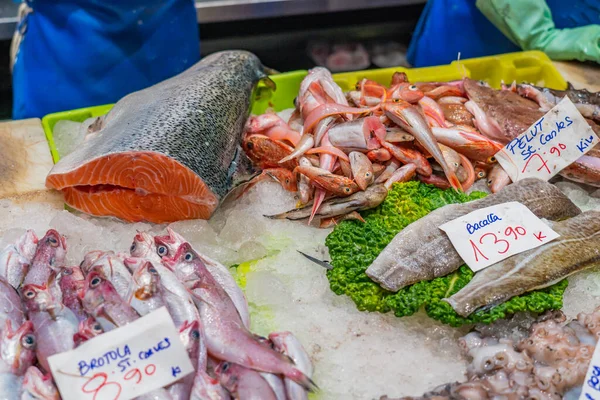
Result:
{"points": [[530, 66]]}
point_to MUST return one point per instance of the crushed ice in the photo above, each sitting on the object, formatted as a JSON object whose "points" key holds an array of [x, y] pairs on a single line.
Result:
{"points": [[356, 354]]}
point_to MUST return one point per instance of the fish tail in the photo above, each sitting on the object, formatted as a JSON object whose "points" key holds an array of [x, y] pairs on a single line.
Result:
{"points": [[270, 71], [454, 181], [297, 376], [319, 196]]}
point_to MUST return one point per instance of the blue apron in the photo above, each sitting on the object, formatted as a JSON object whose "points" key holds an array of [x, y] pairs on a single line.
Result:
{"points": [[81, 53], [447, 27]]}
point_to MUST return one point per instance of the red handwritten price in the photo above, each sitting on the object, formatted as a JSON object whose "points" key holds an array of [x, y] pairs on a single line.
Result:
{"points": [[489, 235], [509, 232], [554, 150], [124, 363], [550, 145], [99, 382]]}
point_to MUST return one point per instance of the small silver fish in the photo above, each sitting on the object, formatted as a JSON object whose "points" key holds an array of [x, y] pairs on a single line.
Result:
{"points": [[577, 248], [370, 198]]}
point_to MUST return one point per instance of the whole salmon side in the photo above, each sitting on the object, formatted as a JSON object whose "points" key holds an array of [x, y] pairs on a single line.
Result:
{"points": [[168, 152]]}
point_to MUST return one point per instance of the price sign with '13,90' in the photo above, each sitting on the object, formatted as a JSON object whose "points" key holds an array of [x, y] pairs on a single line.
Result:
{"points": [[489, 235]]}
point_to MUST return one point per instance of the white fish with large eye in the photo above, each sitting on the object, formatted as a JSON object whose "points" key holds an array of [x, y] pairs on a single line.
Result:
{"points": [[226, 336], [113, 269], [289, 345], [148, 295], [13, 266], [37, 386], [16, 258], [143, 246], [175, 295], [166, 246]]}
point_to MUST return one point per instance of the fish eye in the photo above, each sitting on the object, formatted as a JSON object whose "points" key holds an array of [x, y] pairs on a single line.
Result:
{"points": [[347, 190], [492, 159], [368, 174], [162, 250], [188, 256], [95, 282], [132, 248], [97, 328], [413, 88], [53, 242], [67, 271], [481, 174], [30, 294], [224, 367], [489, 182], [287, 181], [152, 270], [28, 341], [195, 334]]}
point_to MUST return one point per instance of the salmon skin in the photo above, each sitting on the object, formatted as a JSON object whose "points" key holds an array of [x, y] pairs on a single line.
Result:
{"points": [[169, 152]]}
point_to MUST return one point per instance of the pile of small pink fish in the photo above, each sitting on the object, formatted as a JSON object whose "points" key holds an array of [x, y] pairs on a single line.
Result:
{"points": [[336, 144], [49, 308]]}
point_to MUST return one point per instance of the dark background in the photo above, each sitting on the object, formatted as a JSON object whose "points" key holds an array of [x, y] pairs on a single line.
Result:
{"points": [[279, 41]]}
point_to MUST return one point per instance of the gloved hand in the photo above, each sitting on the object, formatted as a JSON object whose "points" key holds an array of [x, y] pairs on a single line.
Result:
{"points": [[529, 25]]}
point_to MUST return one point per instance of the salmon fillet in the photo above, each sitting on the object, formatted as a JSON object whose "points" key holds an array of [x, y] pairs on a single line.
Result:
{"points": [[136, 186]]}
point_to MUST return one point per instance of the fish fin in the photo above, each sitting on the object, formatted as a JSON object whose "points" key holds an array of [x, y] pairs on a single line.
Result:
{"points": [[319, 196], [321, 263], [453, 179], [241, 169], [270, 71], [297, 376], [241, 173], [269, 83]]}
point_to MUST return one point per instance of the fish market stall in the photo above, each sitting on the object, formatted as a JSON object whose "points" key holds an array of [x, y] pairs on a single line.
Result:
{"points": [[238, 233]]}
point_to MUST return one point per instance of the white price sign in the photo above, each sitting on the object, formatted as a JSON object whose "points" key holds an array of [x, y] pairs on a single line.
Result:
{"points": [[489, 235], [591, 384], [123, 363], [553, 143]]}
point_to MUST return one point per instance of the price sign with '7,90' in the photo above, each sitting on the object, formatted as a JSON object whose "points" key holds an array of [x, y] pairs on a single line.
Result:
{"points": [[553, 143], [489, 235]]}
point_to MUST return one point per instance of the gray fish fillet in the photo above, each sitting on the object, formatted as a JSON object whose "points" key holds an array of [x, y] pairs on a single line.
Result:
{"points": [[168, 152], [577, 248], [422, 251]]}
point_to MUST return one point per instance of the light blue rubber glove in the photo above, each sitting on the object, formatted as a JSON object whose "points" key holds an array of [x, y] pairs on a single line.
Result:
{"points": [[529, 25]]}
